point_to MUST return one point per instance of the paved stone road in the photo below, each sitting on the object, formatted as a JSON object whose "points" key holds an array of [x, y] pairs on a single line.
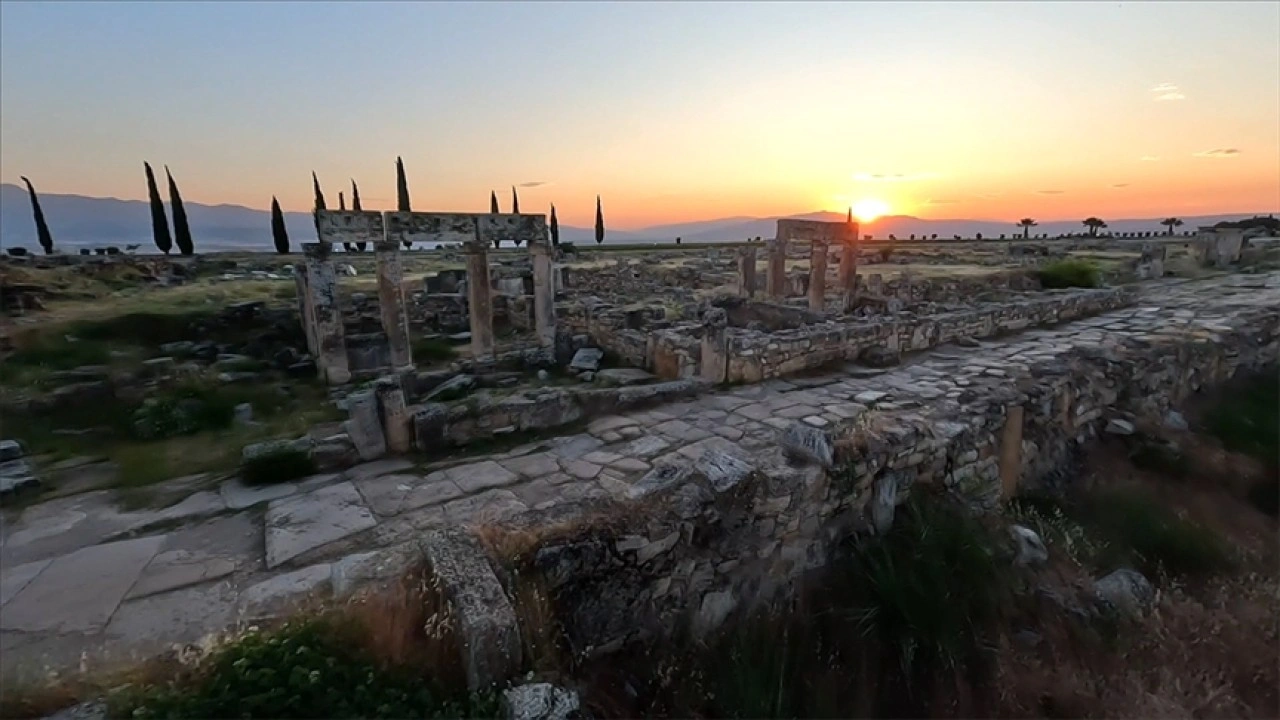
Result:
{"points": [[83, 583]]}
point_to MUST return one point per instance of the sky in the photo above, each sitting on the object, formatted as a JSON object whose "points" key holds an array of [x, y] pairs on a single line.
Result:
{"points": [[671, 112]]}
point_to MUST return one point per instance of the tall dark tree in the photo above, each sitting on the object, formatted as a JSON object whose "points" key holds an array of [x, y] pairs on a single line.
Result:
{"points": [[355, 197], [42, 229], [849, 215], [493, 208], [1026, 224], [159, 222], [342, 202], [1094, 225], [555, 228], [278, 233], [319, 203], [315, 184], [181, 230], [515, 201], [402, 188], [599, 222]]}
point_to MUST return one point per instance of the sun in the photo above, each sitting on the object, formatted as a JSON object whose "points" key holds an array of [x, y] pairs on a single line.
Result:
{"points": [[868, 209]]}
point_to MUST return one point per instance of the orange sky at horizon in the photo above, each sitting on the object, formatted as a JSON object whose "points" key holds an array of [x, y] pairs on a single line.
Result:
{"points": [[979, 111]]}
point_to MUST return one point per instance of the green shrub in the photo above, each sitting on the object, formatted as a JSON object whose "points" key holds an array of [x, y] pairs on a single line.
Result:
{"points": [[1150, 536], [306, 669], [184, 410], [142, 328], [52, 353], [1069, 273], [432, 349], [277, 466]]}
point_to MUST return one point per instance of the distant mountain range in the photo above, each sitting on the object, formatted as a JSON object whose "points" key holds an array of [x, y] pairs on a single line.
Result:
{"points": [[77, 221]]}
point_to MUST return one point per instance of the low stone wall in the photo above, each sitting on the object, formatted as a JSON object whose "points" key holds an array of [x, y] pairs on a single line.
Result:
{"points": [[437, 425], [755, 356], [706, 532]]}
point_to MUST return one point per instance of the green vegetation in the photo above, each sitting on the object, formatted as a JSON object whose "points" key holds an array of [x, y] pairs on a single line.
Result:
{"points": [[899, 621], [159, 222], [181, 229], [313, 668], [1124, 527], [1069, 273], [1247, 419], [428, 350], [279, 235], [184, 410], [278, 466], [42, 228]]}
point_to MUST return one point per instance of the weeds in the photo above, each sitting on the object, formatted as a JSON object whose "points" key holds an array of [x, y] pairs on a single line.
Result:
{"points": [[305, 669], [1247, 420], [1069, 273], [1153, 538]]}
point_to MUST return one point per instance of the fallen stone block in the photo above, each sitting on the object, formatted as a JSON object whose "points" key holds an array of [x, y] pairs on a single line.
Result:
{"points": [[485, 621], [808, 444], [540, 701]]}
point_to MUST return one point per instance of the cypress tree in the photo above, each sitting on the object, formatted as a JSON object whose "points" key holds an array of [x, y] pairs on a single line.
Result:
{"points": [[515, 201], [599, 222], [355, 197], [342, 202], [315, 184], [181, 230], [318, 205], [278, 233], [42, 229], [849, 217], [402, 188], [493, 208], [159, 223], [555, 228]]}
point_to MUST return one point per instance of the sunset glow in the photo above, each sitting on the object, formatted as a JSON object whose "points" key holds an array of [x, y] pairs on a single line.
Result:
{"points": [[570, 101], [868, 209]]}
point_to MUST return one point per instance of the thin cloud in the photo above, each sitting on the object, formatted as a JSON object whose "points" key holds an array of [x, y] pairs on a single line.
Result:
{"points": [[1050, 192], [534, 183], [943, 201], [1167, 91], [1149, 158], [891, 177], [1218, 153]]}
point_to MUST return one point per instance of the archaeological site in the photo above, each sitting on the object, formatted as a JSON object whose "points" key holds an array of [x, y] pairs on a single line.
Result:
{"points": [[628, 481]]}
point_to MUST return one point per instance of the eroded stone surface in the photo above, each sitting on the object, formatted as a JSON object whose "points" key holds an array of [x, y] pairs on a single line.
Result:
{"points": [[296, 525], [394, 494], [79, 592]]}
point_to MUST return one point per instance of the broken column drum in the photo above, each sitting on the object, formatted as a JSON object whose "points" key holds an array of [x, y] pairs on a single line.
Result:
{"points": [[715, 345], [777, 268], [818, 274], [747, 271]]}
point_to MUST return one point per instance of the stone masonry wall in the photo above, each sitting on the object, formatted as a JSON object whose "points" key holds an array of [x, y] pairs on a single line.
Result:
{"points": [[756, 356], [711, 529]]}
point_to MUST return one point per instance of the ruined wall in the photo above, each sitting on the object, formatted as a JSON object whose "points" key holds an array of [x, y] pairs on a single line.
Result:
{"points": [[756, 356], [706, 534]]}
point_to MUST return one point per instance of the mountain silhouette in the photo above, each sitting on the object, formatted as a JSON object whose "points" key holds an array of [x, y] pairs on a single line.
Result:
{"points": [[77, 221]]}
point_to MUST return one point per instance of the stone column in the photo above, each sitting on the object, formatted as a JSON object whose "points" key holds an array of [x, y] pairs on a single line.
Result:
{"points": [[777, 268], [747, 271], [715, 345], [322, 296], [395, 321], [544, 292], [849, 271], [306, 313], [479, 299], [818, 275]]}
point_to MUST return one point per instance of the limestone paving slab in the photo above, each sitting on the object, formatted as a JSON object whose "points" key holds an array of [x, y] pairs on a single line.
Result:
{"points": [[474, 477], [203, 552], [238, 496], [81, 590], [298, 524], [394, 494], [13, 579]]}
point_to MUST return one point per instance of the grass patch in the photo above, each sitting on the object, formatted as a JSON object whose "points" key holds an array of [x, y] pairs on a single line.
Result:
{"points": [[51, 353], [184, 410], [1247, 419], [1069, 273], [311, 668], [277, 466], [428, 350], [1151, 537], [894, 625]]}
